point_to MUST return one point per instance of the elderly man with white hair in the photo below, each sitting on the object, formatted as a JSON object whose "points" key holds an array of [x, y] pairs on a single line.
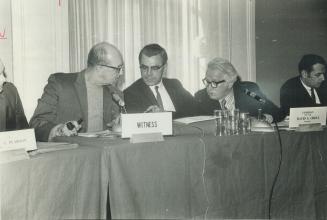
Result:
{"points": [[225, 90]]}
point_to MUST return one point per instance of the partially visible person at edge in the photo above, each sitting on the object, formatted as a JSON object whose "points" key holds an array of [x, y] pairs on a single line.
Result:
{"points": [[83, 99], [12, 116], [224, 90]]}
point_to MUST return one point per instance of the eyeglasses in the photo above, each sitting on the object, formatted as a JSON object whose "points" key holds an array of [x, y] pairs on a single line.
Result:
{"points": [[152, 68], [213, 84], [117, 69]]}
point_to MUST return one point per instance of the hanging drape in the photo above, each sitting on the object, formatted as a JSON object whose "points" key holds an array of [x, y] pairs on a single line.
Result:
{"points": [[192, 32]]}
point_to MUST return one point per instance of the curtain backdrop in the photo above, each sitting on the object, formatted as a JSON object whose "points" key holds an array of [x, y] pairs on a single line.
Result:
{"points": [[192, 32]]}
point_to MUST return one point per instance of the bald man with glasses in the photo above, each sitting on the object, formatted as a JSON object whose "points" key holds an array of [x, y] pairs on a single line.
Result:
{"points": [[82, 101], [224, 90], [155, 93]]}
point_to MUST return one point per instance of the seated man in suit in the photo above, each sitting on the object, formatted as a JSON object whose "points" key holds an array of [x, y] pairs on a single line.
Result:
{"points": [[12, 116], [86, 95], [224, 90], [153, 92], [305, 90]]}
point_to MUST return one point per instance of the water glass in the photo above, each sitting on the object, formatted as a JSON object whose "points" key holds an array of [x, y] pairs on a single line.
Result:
{"points": [[244, 123], [220, 117]]}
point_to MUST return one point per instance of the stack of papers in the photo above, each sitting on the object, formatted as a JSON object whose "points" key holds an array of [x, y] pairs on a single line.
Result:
{"points": [[189, 120], [45, 147], [105, 133]]}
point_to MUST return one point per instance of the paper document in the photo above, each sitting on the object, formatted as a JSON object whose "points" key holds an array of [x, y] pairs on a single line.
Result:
{"points": [[105, 133], [45, 147], [189, 120]]}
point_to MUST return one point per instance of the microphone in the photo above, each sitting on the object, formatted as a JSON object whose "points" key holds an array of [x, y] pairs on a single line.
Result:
{"points": [[120, 102], [117, 98], [255, 96]]}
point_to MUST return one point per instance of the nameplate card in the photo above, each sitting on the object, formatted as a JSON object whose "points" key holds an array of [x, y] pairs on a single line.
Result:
{"points": [[306, 116], [10, 140], [144, 123]]}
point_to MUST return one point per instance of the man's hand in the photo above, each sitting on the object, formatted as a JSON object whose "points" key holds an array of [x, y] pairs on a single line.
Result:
{"points": [[152, 108], [70, 128], [115, 125]]}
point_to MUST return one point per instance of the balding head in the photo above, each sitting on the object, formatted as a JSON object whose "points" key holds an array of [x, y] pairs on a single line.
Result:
{"points": [[104, 65], [104, 53]]}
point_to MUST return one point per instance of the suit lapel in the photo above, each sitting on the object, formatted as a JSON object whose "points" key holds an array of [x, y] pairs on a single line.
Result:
{"points": [[148, 93], [81, 92], [171, 92], [237, 96], [110, 107], [307, 96]]}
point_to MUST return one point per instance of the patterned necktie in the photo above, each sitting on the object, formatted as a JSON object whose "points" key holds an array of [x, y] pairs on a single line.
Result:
{"points": [[223, 104], [159, 100], [313, 96]]}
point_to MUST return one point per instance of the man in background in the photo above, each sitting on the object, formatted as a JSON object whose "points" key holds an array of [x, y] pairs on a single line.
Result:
{"points": [[305, 90], [155, 93], [224, 90], [82, 100]]}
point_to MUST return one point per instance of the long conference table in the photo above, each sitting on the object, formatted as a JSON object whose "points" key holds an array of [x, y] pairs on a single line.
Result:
{"points": [[192, 174]]}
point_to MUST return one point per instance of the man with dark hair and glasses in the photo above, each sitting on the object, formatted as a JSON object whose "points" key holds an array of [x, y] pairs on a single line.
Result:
{"points": [[225, 90], [155, 93], [83, 100], [308, 89]]}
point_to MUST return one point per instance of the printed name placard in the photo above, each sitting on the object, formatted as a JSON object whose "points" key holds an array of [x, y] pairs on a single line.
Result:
{"points": [[10, 140], [307, 115], [144, 123]]}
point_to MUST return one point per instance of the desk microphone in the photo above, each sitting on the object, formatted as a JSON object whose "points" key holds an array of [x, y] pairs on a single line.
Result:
{"points": [[120, 102], [255, 96], [114, 93]]}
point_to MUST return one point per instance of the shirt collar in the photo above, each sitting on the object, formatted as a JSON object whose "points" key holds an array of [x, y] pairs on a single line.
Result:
{"points": [[308, 88], [160, 85], [229, 96]]}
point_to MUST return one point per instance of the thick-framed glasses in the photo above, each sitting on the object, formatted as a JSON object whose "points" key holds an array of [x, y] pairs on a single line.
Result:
{"points": [[152, 68], [117, 69], [213, 84]]}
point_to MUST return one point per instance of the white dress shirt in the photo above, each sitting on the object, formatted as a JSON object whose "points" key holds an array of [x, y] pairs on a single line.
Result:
{"points": [[309, 92], [168, 104], [230, 101]]}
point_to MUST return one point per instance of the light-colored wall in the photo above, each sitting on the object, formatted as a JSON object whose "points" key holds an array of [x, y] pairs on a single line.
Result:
{"points": [[40, 46], [285, 30], [6, 44]]}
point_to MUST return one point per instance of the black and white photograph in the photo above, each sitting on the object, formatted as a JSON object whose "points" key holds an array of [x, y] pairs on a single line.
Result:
{"points": [[163, 109]]}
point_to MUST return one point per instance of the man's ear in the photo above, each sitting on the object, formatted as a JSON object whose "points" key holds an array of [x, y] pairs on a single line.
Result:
{"points": [[165, 69], [304, 74], [230, 84], [232, 81]]}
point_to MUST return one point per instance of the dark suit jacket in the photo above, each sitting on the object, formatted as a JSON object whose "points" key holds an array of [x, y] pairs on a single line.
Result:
{"points": [[12, 115], [65, 99], [243, 102], [138, 97], [293, 94]]}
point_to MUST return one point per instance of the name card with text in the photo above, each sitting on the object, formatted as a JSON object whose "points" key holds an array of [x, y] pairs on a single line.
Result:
{"points": [[144, 123], [307, 116], [10, 140]]}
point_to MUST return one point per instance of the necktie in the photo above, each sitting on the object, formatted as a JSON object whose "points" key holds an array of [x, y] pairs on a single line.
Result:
{"points": [[313, 96], [159, 100], [223, 104]]}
